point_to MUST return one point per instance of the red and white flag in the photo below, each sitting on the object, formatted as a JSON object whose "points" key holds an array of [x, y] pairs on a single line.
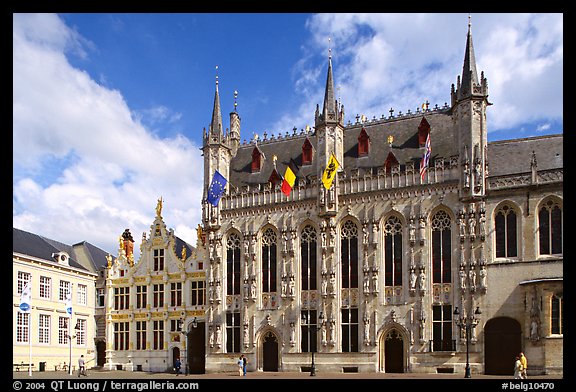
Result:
{"points": [[425, 158]]}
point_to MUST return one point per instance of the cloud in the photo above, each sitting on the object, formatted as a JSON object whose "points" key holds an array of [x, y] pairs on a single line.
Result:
{"points": [[106, 168], [384, 61]]}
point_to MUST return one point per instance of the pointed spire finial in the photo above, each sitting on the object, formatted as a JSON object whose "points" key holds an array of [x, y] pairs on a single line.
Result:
{"points": [[235, 102], [216, 77], [469, 21], [329, 49]]}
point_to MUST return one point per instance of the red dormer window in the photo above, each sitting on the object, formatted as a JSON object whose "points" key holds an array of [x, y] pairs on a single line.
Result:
{"points": [[423, 131], [275, 178], [363, 143], [390, 161], [307, 152], [256, 160]]}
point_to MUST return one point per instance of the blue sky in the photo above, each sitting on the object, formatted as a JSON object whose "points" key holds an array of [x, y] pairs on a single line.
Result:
{"points": [[108, 109]]}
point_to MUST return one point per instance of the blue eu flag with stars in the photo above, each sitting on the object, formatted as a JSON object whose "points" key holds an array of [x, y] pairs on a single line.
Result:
{"points": [[216, 188]]}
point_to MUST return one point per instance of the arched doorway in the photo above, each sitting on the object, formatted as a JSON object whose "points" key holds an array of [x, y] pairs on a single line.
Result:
{"points": [[196, 346], [270, 352], [175, 354], [100, 353], [393, 352], [502, 342]]}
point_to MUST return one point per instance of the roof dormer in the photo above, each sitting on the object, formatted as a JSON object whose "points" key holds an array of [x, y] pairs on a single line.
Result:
{"points": [[257, 160], [423, 131], [62, 258], [363, 143], [307, 152], [390, 161]]}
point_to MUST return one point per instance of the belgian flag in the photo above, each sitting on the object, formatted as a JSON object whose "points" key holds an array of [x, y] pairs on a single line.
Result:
{"points": [[289, 177]]}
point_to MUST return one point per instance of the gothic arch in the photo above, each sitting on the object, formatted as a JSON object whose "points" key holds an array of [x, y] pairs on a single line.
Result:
{"points": [[269, 333], [506, 206], [384, 332], [550, 203]]}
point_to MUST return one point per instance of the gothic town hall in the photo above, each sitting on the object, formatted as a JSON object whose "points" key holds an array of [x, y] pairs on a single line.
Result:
{"points": [[389, 269]]}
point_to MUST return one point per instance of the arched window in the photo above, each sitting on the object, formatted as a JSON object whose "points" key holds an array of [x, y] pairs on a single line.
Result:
{"points": [[233, 264], [550, 228], [389, 162], [393, 252], [349, 255], [257, 160], [506, 232], [308, 257], [423, 131], [441, 248], [269, 239]]}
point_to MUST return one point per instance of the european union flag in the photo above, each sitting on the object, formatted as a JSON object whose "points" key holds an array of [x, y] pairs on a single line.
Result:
{"points": [[216, 188]]}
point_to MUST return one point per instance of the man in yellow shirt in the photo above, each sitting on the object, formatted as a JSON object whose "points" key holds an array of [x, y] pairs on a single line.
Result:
{"points": [[524, 362]]}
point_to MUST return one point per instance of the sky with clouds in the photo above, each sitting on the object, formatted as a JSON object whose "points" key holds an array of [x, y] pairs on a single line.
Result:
{"points": [[108, 109]]}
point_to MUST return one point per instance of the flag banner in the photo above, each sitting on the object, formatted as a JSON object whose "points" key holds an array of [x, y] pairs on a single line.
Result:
{"points": [[217, 188], [25, 298], [330, 171], [289, 177], [68, 303], [425, 158]]}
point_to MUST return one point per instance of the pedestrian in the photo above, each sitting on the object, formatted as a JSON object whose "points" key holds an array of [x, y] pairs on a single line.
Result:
{"points": [[517, 368], [524, 362], [240, 364], [177, 365], [81, 367], [244, 362]]}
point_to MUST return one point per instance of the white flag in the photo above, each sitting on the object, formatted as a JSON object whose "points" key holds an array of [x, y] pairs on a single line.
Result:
{"points": [[69, 303], [25, 298]]}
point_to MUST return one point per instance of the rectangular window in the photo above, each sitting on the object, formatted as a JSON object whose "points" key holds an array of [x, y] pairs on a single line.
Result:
{"points": [[44, 329], [198, 292], [158, 259], [23, 327], [140, 335], [442, 328], [350, 330], [121, 336], [121, 298], [176, 294], [45, 287], [64, 289], [80, 332], [557, 309], [82, 294], [309, 329], [62, 330], [141, 296], [158, 332], [23, 278], [158, 294], [101, 296], [233, 332]]}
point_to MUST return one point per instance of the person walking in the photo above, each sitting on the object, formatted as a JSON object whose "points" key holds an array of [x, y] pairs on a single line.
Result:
{"points": [[177, 366], [517, 368], [524, 362], [244, 362], [81, 367], [240, 364]]}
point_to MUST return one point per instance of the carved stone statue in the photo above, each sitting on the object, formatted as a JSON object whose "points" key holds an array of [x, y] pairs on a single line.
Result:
{"points": [[412, 231], [412, 279], [472, 277], [422, 280], [462, 274], [483, 273]]}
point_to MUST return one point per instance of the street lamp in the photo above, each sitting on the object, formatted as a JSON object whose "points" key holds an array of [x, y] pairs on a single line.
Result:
{"points": [[467, 323], [70, 337], [313, 343]]}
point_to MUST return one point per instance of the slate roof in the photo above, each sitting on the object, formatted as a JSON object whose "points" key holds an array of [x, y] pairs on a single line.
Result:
{"points": [[41, 247], [504, 157]]}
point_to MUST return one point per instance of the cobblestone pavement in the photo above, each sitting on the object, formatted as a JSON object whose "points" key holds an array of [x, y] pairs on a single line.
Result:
{"points": [[119, 374]]}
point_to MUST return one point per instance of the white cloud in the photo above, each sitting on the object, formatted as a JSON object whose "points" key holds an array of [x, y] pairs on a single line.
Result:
{"points": [[111, 168], [400, 60]]}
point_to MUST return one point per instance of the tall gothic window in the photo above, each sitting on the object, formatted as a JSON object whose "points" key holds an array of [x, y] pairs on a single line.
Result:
{"points": [[441, 248], [308, 257], [550, 228], [233, 332], [393, 252], [233, 264], [557, 314], [269, 261], [349, 255], [309, 328], [505, 224], [350, 330]]}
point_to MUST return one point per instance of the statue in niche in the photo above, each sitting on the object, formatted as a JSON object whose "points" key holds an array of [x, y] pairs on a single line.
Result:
{"points": [[462, 274], [367, 332], [324, 286], [292, 334], [472, 277], [483, 273], [462, 225], [422, 323], [478, 174], [211, 336], [285, 237], [366, 284], [323, 333], [331, 335], [472, 226], [534, 329], [218, 336], [466, 175], [375, 282], [284, 286], [332, 283], [412, 279], [291, 287], [365, 234], [217, 292], [422, 228], [422, 280], [246, 247], [253, 289], [412, 231], [482, 225]]}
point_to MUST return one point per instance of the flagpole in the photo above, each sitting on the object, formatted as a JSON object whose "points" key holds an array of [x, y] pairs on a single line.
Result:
{"points": [[30, 342]]}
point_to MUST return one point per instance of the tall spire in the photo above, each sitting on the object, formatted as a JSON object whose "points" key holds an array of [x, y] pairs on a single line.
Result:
{"points": [[216, 124], [329, 101], [469, 73]]}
